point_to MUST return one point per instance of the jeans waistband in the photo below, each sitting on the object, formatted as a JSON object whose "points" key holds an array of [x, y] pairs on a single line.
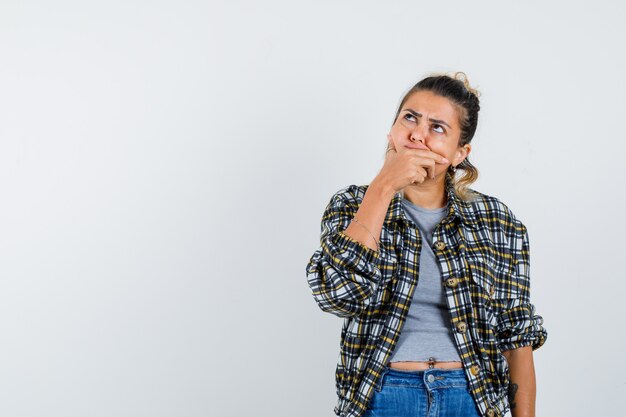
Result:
{"points": [[449, 371], [432, 377]]}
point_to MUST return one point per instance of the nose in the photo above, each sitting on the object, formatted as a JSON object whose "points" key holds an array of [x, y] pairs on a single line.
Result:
{"points": [[416, 135]]}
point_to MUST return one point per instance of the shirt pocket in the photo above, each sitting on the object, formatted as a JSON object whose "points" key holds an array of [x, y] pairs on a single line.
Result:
{"points": [[492, 280], [490, 287]]}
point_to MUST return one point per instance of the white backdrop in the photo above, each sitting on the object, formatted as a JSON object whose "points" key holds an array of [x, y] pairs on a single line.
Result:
{"points": [[164, 166]]}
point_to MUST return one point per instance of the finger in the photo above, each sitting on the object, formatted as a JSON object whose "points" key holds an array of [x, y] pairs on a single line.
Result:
{"points": [[426, 162], [428, 169], [392, 144], [390, 151], [431, 170], [438, 159], [422, 174], [426, 153], [441, 159], [430, 165]]}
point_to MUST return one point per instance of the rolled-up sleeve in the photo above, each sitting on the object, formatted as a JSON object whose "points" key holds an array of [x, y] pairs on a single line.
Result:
{"points": [[519, 324], [343, 273]]}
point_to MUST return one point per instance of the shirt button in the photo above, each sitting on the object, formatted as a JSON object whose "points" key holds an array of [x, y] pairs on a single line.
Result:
{"points": [[490, 412], [475, 369], [452, 282], [461, 326], [440, 244], [492, 290], [431, 378]]}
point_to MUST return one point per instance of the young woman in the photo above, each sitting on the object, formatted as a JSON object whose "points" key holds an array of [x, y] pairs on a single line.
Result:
{"points": [[430, 276]]}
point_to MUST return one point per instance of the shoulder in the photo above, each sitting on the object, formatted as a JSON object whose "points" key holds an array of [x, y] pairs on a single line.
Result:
{"points": [[349, 195], [491, 210], [486, 208]]}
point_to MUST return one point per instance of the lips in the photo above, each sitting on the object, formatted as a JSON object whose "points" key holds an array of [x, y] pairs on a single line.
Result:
{"points": [[415, 147]]}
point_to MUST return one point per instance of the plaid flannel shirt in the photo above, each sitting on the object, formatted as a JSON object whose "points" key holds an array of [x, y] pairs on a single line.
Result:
{"points": [[483, 253]]}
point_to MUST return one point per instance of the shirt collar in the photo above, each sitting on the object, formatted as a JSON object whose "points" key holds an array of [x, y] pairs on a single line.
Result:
{"points": [[458, 209]]}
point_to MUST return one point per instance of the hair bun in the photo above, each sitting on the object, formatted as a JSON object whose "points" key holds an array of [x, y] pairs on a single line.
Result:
{"points": [[461, 76]]}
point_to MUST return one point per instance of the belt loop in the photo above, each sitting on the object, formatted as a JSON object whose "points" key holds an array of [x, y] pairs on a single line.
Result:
{"points": [[379, 384]]}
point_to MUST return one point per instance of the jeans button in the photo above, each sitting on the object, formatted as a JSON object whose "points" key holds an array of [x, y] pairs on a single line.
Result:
{"points": [[431, 378]]}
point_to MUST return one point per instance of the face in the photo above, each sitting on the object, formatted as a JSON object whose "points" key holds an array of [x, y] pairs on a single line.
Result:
{"points": [[429, 121]]}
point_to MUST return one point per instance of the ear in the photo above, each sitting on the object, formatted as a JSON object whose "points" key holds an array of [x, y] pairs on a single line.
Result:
{"points": [[462, 153]]}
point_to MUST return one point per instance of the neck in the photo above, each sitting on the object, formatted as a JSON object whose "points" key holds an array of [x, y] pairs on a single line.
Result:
{"points": [[430, 194]]}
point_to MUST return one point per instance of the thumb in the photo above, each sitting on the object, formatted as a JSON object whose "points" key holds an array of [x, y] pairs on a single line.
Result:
{"points": [[392, 144]]}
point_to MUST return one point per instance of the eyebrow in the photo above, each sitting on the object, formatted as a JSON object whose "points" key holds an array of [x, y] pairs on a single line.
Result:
{"points": [[416, 114]]}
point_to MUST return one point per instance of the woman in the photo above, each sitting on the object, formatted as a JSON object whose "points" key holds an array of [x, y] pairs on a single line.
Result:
{"points": [[431, 276]]}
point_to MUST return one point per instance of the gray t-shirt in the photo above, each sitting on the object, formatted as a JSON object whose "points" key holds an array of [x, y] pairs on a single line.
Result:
{"points": [[427, 331]]}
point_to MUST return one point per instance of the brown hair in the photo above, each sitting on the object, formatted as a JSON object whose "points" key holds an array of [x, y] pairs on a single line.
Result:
{"points": [[464, 98]]}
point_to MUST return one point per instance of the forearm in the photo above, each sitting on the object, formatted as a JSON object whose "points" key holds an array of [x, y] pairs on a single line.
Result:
{"points": [[343, 273], [522, 389], [371, 214]]}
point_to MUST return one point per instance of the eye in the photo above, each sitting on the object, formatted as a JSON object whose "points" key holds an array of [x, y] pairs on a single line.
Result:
{"points": [[443, 130], [409, 115]]}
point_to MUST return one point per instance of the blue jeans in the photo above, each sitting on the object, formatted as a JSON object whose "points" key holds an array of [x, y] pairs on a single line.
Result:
{"points": [[427, 393]]}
